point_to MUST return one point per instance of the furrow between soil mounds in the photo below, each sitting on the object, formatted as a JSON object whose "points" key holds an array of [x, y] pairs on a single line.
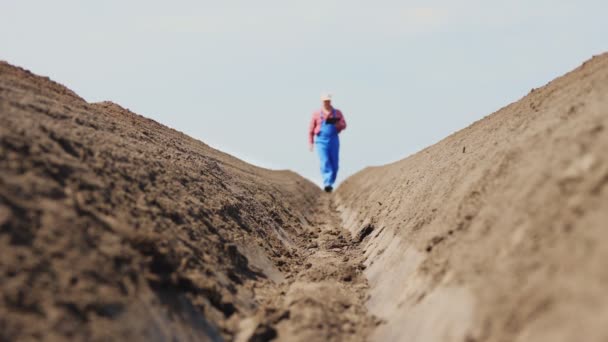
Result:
{"points": [[115, 227], [323, 297]]}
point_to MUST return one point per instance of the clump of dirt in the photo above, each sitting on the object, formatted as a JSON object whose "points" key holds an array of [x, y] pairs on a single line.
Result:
{"points": [[115, 227], [495, 233]]}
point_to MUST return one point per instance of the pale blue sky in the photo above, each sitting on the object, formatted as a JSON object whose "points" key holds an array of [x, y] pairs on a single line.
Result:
{"points": [[244, 76]]}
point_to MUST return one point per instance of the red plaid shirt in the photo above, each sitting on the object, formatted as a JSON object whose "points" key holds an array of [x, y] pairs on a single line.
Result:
{"points": [[317, 120]]}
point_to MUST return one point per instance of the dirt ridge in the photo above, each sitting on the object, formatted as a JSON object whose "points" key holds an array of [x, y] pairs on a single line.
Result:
{"points": [[113, 226], [495, 231]]}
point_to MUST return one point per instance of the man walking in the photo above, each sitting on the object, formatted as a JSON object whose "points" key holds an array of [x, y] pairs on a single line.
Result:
{"points": [[325, 125]]}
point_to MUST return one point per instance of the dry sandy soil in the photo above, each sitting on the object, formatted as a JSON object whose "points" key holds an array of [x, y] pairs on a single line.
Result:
{"points": [[115, 227], [499, 232]]}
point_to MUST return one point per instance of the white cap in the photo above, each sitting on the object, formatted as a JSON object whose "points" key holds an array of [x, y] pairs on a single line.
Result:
{"points": [[326, 97]]}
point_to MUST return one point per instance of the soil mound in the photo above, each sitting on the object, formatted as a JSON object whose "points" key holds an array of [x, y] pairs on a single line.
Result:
{"points": [[496, 233], [113, 226]]}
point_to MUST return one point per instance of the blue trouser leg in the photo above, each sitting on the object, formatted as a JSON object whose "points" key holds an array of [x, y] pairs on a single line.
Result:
{"points": [[328, 150], [326, 169], [334, 149]]}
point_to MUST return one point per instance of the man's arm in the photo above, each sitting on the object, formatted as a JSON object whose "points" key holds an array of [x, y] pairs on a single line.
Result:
{"points": [[311, 129], [341, 124]]}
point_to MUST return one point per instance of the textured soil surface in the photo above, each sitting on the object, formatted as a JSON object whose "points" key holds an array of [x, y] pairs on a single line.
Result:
{"points": [[115, 227], [500, 231]]}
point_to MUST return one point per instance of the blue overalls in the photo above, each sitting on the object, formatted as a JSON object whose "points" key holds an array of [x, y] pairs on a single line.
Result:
{"points": [[328, 147]]}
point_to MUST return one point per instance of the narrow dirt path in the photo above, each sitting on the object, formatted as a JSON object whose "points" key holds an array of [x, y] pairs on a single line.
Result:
{"points": [[323, 298]]}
